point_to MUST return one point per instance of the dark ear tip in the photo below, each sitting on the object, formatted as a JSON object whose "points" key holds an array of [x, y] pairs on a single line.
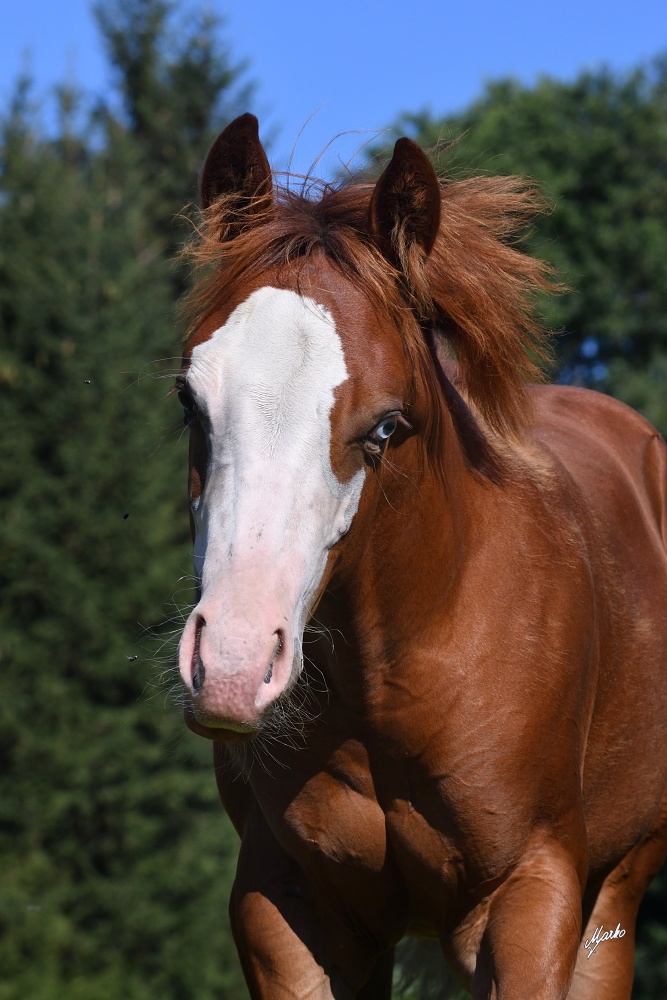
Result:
{"points": [[406, 150], [405, 145], [244, 126], [236, 162], [406, 198], [245, 122]]}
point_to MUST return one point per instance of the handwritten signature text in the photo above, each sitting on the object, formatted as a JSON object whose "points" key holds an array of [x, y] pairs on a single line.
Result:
{"points": [[600, 935]]}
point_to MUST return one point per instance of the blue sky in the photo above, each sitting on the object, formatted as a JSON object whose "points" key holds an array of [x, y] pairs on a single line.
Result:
{"points": [[356, 64]]}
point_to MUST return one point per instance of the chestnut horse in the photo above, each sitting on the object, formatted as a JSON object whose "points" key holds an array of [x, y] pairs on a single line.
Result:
{"points": [[483, 755]]}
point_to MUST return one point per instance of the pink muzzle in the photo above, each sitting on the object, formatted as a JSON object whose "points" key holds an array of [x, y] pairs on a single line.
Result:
{"points": [[234, 668]]}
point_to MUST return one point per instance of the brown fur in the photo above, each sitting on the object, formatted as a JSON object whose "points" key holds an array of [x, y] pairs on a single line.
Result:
{"points": [[487, 763]]}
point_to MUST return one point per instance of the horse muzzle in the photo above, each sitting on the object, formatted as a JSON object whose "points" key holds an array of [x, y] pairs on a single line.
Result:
{"points": [[233, 670]]}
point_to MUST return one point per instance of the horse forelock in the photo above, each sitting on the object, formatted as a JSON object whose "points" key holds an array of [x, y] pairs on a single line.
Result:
{"points": [[475, 290]]}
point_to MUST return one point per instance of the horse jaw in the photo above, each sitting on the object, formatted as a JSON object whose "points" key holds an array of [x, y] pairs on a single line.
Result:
{"points": [[271, 508]]}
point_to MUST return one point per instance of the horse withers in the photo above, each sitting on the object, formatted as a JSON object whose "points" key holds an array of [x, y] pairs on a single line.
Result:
{"points": [[430, 641]]}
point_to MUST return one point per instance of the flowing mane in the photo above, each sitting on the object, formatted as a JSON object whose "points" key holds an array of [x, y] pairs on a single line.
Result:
{"points": [[475, 289]]}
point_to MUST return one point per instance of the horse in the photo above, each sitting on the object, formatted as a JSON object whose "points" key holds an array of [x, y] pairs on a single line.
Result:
{"points": [[429, 643]]}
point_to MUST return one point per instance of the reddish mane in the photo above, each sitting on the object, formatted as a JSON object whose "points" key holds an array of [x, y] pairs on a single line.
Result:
{"points": [[475, 288]]}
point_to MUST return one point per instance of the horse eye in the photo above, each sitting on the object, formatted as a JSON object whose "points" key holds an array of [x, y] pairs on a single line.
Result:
{"points": [[188, 404], [378, 437], [385, 429]]}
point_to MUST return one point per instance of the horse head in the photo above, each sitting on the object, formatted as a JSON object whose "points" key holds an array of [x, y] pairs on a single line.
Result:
{"points": [[295, 384]]}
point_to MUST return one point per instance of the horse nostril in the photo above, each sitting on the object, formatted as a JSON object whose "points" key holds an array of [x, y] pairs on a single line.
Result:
{"points": [[198, 674], [276, 652], [198, 671]]}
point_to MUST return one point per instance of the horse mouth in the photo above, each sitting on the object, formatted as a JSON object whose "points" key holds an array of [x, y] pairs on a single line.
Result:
{"points": [[227, 732]]}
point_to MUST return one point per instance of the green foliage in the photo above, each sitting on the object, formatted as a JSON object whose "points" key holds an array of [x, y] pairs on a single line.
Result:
{"points": [[651, 951], [420, 973], [176, 81], [116, 857], [597, 148]]}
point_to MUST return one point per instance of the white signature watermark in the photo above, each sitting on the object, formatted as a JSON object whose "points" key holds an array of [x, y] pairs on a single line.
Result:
{"points": [[600, 935]]}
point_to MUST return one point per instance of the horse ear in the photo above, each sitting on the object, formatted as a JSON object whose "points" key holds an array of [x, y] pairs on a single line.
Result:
{"points": [[404, 211], [236, 165]]}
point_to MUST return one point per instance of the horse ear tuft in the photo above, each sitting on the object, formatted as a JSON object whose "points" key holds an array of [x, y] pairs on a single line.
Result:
{"points": [[236, 166], [404, 211]]}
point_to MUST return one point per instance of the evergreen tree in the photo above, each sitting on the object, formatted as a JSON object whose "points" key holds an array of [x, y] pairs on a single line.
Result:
{"points": [[178, 88], [116, 858]]}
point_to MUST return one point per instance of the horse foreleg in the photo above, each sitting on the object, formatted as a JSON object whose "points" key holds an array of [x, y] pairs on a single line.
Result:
{"points": [[529, 945], [605, 965], [276, 950], [290, 949]]}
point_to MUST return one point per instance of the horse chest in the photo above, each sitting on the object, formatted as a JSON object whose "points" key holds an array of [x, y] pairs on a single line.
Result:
{"points": [[328, 819], [382, 861]]}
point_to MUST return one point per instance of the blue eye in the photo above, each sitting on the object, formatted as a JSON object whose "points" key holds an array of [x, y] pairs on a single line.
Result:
{"points": [[384, 430], [378, 437]]}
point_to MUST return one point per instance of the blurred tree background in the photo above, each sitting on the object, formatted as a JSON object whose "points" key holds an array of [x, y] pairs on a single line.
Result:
{"points": [[116, 859]]}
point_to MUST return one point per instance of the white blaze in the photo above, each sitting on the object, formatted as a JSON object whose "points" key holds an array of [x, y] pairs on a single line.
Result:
{"points": [[272, 505]]}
